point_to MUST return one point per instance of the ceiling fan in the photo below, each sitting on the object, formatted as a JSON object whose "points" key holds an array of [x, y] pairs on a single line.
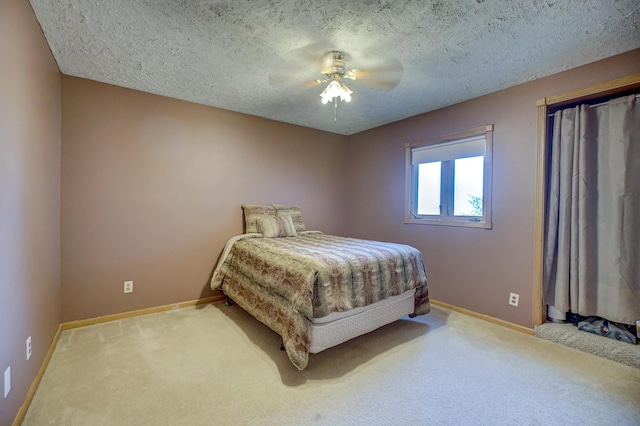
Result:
{"points": [[379, 72], [335, 70]]}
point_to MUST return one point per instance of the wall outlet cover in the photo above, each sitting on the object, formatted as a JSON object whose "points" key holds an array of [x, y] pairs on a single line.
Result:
{"points": [[514, 299]]}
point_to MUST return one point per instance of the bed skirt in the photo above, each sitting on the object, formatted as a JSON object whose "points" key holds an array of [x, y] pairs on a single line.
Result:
{"points": [[339, 327]]}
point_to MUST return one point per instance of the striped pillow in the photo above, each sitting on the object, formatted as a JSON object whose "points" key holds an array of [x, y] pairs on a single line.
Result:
{"points": [[277, 227], [294, 212]]}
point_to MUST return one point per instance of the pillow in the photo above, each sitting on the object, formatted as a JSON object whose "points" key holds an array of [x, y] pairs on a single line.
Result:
{"points": [[294, 212], [275, 227], [253, 212]]}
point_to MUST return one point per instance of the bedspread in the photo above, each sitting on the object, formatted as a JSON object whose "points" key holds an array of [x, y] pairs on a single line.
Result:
{"points": [[284, 282]]}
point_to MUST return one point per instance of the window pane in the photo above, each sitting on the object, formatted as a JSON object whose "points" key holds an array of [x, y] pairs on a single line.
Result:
{"points": [[429, 188], [468, 186]]}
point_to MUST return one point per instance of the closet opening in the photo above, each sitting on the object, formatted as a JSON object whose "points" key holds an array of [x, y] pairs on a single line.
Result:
{"points": [[564, 107]]}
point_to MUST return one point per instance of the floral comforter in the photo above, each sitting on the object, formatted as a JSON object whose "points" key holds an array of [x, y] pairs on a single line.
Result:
{"points": [[284, 282]]}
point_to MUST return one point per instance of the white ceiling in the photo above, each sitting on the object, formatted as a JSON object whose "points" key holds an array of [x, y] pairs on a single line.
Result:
{"points": [[223, 53]]}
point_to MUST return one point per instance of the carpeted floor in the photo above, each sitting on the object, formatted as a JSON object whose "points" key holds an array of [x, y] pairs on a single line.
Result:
{"points": [[216, 365], [569, 335]]}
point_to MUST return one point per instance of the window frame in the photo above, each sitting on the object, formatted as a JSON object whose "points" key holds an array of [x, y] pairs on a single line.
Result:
{"points": [[448, 218]]}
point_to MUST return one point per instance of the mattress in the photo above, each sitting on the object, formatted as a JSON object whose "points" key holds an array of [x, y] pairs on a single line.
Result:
{"points": [[338, 327]]}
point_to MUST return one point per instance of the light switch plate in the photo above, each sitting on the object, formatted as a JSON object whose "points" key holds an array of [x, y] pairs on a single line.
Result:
{"points": [[7, 381]]}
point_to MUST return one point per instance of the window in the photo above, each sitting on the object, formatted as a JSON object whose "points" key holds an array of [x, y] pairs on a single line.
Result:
{"points": [[449, 180]]}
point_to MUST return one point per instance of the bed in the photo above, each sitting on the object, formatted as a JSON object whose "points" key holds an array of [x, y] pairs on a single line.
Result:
{"points": [[317, 290]]}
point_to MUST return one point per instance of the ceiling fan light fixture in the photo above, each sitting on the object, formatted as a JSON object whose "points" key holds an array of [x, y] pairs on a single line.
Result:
{"points": [[345, 95], [332, 91], [336, 89]]}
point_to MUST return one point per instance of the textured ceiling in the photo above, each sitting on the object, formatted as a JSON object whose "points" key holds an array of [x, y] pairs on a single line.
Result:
{"points": [[234, 54]]}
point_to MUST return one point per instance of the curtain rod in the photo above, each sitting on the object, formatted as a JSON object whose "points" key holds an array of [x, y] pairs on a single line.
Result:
{"points": [[606, 102], [590, 106]]}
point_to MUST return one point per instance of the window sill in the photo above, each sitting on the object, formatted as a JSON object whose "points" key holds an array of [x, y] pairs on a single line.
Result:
{"points": [[440, 222]]}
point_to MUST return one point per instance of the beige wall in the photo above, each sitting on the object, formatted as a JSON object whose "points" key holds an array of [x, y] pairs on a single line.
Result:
{"points": [[152, 189], [132, 186], [470, 268], [29, 199]]}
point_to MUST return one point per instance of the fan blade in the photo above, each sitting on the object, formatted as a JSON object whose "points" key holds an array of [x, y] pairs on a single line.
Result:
{"points": [[318, 55], [306, 61], [291, 81], [386, 74], [298, 67]]}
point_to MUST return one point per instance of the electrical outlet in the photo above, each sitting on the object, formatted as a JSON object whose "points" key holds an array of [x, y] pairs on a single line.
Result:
{"points": [[28, 348], [514, 299], [7, 381], [128, 286]]}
